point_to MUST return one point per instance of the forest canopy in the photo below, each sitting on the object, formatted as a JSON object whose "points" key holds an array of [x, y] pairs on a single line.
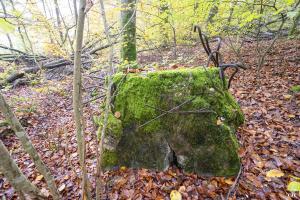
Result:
{"points": [[48, 28]]}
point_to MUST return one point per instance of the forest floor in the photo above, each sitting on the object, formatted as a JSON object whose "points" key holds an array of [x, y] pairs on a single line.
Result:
{"points": [[269, 139]]}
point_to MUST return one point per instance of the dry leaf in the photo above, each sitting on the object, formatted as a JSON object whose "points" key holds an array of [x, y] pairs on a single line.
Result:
{"points": [[229, 181], [219, 122], [287, 96], [117, 114], [45, 192], [39, 178], [274, 173], [293, 186], [175, 195], [62, 187]]}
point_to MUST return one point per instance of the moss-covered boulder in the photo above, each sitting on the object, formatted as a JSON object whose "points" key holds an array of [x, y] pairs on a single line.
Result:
{"points": [[183, 116]]}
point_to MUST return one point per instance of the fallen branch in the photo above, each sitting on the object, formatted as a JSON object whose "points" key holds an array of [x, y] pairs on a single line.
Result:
{"points": [[233, 187]]}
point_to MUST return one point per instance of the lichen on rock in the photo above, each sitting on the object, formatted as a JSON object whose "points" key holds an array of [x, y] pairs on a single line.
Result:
{"points": [[181, 116]]}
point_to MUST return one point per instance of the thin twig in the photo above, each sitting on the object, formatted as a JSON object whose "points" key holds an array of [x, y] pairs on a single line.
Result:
{"points": [[93, 99], [169, 111], [202, 110], [233, 187]]}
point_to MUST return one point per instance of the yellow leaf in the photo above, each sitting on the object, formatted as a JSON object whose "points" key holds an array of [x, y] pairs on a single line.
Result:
{"points": [[274, 173], [295, 177], [175, 195], [219, 122], [291, 116], [229, 181], [287, 96], [38, 178], [293, 186], [123, 168]]}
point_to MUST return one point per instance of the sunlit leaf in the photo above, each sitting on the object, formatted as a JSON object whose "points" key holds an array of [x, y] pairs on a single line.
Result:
{"points": [[293, 186], [274, 173], [175, 195], [287, 96], [38, 178], [5, 26]]}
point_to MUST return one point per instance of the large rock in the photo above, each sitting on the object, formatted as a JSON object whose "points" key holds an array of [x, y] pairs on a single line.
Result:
{"points": [[182, 117]]}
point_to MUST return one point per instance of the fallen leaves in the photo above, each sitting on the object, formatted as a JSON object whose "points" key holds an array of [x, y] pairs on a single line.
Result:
{"points": [[269, 141]]}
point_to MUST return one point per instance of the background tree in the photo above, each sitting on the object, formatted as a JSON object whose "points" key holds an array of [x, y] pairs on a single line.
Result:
{"points": [[77, 100], [128, 26]]}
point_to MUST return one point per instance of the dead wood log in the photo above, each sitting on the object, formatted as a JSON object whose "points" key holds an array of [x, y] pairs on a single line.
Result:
{"points": [[14, 77]]}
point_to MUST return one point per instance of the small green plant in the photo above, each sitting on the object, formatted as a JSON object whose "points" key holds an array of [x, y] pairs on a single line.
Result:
{"points": [[129, 65], [295, 88]]}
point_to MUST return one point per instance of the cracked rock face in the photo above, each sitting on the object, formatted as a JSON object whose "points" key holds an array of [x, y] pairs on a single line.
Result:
{"points": [[181, 117]]}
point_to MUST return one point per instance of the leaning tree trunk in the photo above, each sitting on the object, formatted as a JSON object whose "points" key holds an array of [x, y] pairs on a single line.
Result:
{"points": [[77, 100], [16, 178], [128, 28], [28, 147]]}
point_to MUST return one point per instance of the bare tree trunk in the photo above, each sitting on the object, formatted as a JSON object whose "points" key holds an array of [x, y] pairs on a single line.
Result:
{"points": [[77, 100], [107, 103], [58, 22], [19, 28], [7, 35], [128, 22], [28, 147], [75, 11], [14, 175]]}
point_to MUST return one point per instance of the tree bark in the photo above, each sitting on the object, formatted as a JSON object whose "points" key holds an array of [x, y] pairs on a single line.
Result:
{"points": [[128, 26], [14, 175], [28, 147], [58, 21], [77, 100]]}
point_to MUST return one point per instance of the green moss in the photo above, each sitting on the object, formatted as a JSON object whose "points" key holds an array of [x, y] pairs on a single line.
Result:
{"points": [[295, 88], [114, 125], [110, 159], [191, 130]]}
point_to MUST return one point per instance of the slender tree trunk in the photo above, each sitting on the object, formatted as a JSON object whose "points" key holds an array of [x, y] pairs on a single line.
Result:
{"points": [[77, 100], [212, 12], [76, 16], [9, 41], [19, 28], [107, 105], [296, 20], [28, 147], [128, 24], [70, 7], [14, 175], [75, 11], [58, 21], [7, 35]]}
